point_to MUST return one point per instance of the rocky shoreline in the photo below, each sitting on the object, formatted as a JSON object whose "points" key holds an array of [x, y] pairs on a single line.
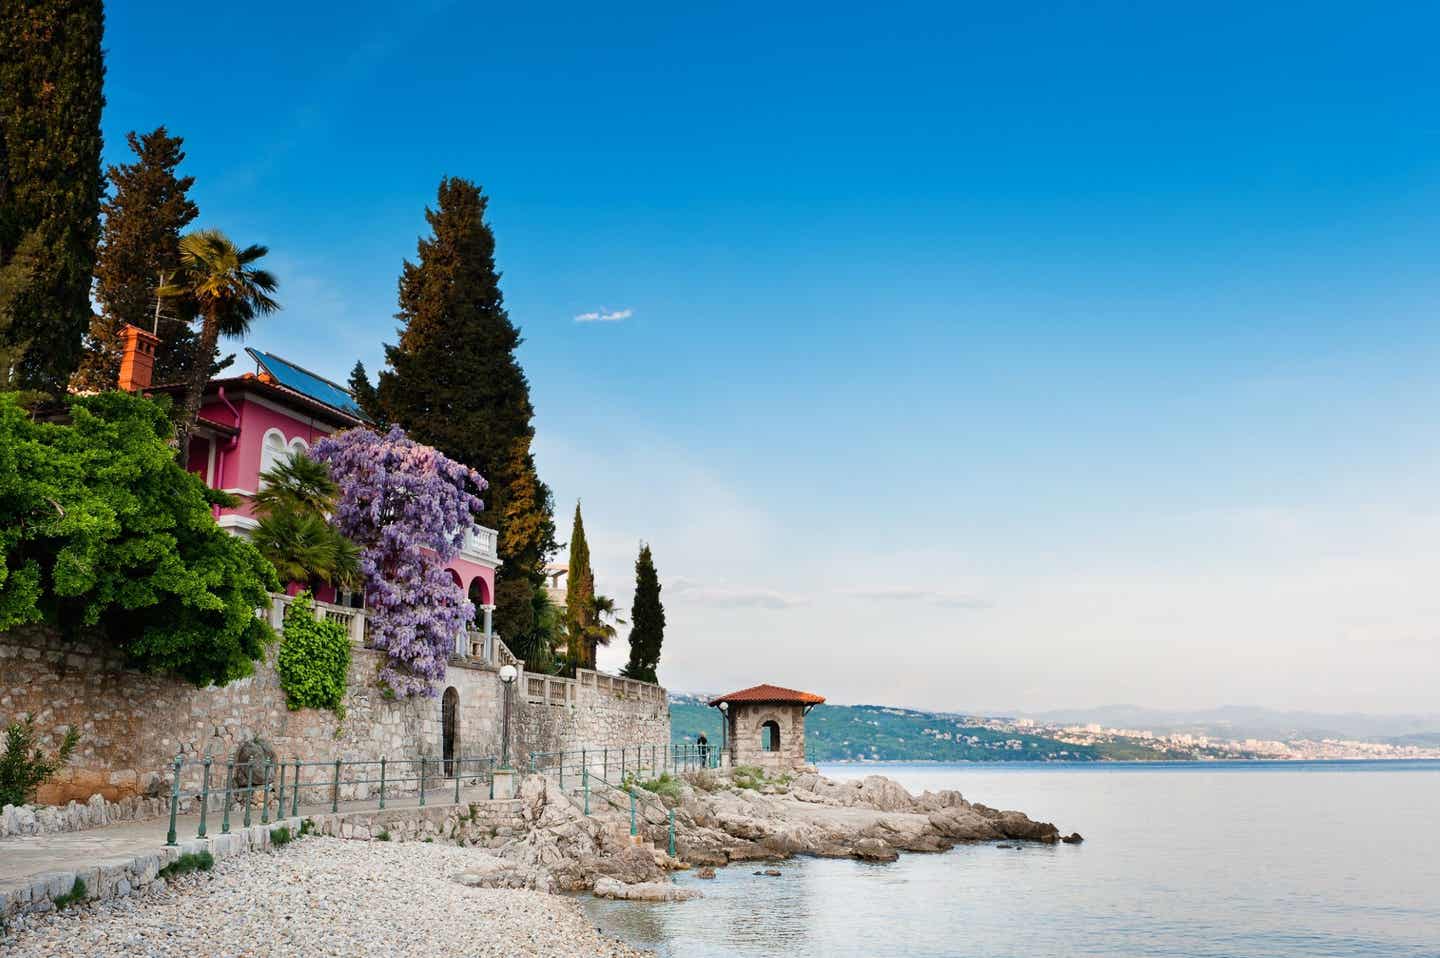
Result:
{"points": [[444, 882]]}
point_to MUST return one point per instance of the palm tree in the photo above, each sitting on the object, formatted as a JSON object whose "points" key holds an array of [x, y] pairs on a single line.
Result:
{"points": [[226, 289], [602, 630], [294, 533]]}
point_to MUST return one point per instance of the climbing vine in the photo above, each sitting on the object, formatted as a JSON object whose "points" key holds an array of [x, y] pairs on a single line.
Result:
{"points": [[314, 659]]}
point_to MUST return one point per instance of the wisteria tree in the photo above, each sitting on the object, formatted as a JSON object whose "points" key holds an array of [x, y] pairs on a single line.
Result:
{"points": [[408, 508]]}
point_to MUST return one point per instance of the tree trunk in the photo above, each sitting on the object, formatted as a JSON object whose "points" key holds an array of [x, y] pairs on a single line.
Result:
{"points": [[195, 388]]}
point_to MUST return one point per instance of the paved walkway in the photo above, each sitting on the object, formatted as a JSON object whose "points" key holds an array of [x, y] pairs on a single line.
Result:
{"points": [[23, 856]]}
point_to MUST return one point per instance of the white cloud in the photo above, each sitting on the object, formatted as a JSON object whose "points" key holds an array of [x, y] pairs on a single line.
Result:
{"points": [[603, 315], [699, 593], [948, 600]]}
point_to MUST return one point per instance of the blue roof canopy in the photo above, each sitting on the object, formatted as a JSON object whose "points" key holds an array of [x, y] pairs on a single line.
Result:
{"points": [[307, 383]]}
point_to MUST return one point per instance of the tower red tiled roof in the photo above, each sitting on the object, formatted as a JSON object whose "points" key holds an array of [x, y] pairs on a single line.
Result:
{"points": [[771, 694]]}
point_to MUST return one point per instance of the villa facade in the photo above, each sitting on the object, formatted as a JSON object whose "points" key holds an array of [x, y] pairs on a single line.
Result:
{"points": [[250, 422]]}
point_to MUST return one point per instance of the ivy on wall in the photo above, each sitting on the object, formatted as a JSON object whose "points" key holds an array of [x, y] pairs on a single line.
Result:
{"points": [[314, 659]]}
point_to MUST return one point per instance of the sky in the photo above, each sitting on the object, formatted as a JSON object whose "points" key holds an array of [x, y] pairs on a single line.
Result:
{"points": [[961, 356]]}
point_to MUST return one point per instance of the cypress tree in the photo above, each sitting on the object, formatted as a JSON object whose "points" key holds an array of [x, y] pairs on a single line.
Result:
{"points": [[366, 397], [140, 242], [454, 383], [52, 75], [647, 618], [579, 597]]}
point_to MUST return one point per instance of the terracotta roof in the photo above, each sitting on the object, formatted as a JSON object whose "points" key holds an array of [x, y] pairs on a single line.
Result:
{"points": [[771, 693], [276, 390]]}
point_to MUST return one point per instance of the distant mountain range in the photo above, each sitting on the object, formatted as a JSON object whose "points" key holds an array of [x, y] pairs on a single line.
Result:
{"points": [[1247, 721], [883, 733]]}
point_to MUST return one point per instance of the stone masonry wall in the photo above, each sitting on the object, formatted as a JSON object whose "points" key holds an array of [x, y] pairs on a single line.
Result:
{"points": [[133, 725], [747, 736]]}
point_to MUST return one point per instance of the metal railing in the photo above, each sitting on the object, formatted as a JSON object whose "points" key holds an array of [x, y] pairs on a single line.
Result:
{"points": [[320, 785], [636, 794], [639, 761]]}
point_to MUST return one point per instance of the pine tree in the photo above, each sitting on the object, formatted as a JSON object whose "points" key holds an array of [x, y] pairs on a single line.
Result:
{"points": [[454, 383], [52, 75], [366, 397], [647, 617], [579, 598], [140, 242]]}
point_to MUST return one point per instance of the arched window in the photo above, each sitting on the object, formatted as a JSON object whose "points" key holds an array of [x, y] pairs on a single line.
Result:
{"points": [[298, 445], [770, 736], [450, 729], [273, 451]]}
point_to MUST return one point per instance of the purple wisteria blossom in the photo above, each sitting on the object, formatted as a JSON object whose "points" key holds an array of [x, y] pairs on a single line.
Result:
{"points": [[408, 508]]}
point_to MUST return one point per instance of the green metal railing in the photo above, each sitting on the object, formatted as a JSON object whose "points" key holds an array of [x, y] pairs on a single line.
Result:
{"points": [[320, 785], [636, 795], [626, 761]]}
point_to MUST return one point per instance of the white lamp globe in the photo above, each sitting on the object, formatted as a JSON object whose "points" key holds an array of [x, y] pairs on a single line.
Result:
{"points": [[508, 673]]}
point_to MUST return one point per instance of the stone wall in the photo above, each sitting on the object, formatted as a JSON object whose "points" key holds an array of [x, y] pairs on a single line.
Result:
{"points": [[747, 739], [133, 725]]}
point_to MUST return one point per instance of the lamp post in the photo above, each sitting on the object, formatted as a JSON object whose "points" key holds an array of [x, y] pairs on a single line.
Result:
{"points": [[725, 730], [507, 678]]}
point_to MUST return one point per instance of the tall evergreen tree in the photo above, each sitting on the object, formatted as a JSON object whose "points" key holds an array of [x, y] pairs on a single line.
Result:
{"points": [[454, 383], [52, 75], [139, 244], [579, 598], [366, 397], [647, 615]]}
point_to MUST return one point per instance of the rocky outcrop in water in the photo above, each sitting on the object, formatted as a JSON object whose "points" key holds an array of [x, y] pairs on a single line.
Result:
{"points": [[716, 823]]}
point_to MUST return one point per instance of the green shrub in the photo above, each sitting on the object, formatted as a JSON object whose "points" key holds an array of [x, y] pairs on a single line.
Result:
{"points": [[100, 529], [383, 836], [187, 863], [665, 786], [314, 660], [307, 827], [281, 836], [23, 767], [76, 894]]}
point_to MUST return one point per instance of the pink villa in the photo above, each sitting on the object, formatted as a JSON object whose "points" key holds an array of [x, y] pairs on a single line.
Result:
{"points": [[250, 422]]}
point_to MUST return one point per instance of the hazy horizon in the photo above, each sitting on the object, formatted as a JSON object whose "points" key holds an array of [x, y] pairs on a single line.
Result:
{"points": [[985, 355]]}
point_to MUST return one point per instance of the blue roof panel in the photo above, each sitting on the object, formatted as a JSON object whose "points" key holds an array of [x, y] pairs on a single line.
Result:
{"points": [[303, 381]]}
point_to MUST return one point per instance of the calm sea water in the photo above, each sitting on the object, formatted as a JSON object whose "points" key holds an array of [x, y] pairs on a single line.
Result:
{"points": [[1290, 860]]}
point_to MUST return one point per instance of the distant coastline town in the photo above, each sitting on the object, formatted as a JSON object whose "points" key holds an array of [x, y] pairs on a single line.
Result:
{"points": [[871, 733]]}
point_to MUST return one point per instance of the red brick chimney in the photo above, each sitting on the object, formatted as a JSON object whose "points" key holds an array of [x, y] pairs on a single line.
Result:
{"points": [[137, 365]]}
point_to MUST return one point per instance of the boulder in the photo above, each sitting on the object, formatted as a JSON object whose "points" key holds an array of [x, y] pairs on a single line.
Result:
{"points": [[632, 865], [254, 764], [707, 872], [1074, 838], [643, 891], [874, 850]]}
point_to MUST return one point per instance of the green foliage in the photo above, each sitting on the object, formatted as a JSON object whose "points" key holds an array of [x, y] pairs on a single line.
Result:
{"points": [[187, 863], [666, 786], [383, 836], [100, 529], [307, 827], [74, 896], [537, 647], [579, 599], [51, 93], [754, 777], [367, 398], [647, 633], [454, 383], [314, 659], [219, 282], [140, 242], [280, 837], [295, 533], [24, 767]]}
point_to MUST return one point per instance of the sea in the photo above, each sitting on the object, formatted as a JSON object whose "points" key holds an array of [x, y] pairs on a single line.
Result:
{"points": [[1190, 860]]}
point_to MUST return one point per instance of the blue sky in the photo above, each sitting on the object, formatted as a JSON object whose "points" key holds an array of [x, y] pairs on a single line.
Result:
{"points": [[1054, 356]]}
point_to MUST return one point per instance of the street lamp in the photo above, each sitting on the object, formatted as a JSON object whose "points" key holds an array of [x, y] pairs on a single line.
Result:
{"points": [[507, 677], [724, 728]]}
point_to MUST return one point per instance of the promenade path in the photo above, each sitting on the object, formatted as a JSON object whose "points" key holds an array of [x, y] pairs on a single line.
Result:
{"points": [[25, 856]]}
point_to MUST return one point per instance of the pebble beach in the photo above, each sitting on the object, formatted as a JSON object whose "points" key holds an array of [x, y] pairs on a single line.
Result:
{"points": [[322, 898]]}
